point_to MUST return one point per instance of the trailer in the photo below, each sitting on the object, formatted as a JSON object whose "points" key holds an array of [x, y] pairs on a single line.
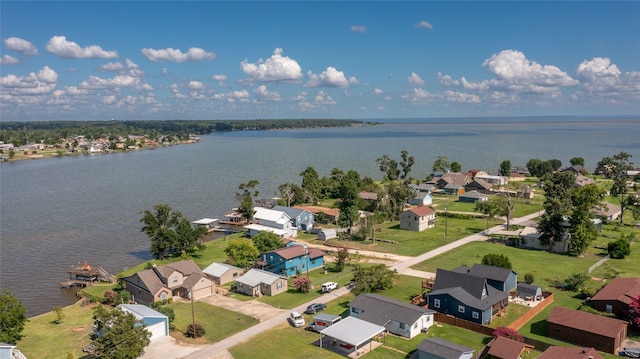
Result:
{"points": [[322, 321]]}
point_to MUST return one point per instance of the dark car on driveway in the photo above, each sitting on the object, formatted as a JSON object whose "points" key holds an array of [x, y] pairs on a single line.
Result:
{"points": [[315, 307]]}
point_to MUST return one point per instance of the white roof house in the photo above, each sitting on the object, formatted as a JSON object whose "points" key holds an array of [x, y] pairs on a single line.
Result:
{"points": [[156, 323], [270, 220]]}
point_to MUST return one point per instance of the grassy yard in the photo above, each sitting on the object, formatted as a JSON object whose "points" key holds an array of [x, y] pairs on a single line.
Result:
{"points": [[292, 298], [412, 243], [218, 323], [42, 338], [545, 266], [291, 342]]}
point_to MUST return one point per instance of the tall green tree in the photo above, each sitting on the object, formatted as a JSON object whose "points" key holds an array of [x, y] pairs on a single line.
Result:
{"points": [[620, 164], [505, 168], [169, 231], [489, 208], [12, 318], [558, 189], [120, 335], [577, 161], [311, 185], [441, 165], [241, 252], [582, 229], [389, 167], [406, 163], [349, 201], [267, 241], [456, 166], [246, 198], [373, 279]]}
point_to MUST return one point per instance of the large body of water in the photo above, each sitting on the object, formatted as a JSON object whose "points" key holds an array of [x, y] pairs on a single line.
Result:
{"points": [[60, 211]]}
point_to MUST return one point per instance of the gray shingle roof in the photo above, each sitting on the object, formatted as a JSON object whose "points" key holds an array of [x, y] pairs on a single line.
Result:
{"points": [[443, 348], [490, 272], [256, 276], [468, 289], [379, 310]]}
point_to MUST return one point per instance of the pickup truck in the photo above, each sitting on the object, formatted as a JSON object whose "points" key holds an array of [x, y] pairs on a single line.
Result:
{"points": [[329, 286]]}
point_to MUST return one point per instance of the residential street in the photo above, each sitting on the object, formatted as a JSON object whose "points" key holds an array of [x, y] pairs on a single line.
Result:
{"points": [[402, 264]]}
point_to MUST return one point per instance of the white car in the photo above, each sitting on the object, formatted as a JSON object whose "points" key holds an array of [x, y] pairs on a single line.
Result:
{"points": [[296, 319], [329, 286]]}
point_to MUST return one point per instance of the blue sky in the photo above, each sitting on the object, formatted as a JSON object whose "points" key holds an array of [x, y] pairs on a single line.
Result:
{"points": [[90, 60]]}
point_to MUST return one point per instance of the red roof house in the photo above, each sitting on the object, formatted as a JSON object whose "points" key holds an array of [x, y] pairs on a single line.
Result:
{"points": [[570, 353], [616, 296]]}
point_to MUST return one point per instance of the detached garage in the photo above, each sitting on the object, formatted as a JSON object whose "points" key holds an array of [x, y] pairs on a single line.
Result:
{"points": [[157, 323]]}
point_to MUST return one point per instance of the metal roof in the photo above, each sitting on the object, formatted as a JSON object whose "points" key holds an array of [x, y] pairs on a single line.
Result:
{"points": [[218, 269], [256, 276], [352, 330], [141, 311]]}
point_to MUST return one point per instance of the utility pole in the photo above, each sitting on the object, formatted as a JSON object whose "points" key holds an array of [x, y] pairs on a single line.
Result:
{"points": [[193, 315], [446, 222]]}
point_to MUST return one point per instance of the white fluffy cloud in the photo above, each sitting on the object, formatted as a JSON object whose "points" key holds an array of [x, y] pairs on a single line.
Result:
{"points": [[60, 46], [323, 98], [39, 83], [9, 60], [111, 67], [377, 91], [95, 82], [220, 78], [512, 66], [276, 68], [263, 94], [359, 28], [424, 25], [196, 85], [415, 80], [599, 76], [330, 77], [20, 45], [175, 55]]}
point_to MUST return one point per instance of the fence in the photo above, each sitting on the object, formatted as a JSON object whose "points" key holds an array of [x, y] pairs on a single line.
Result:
{"points": [[518, 323], [488, 331], [598, 264]]}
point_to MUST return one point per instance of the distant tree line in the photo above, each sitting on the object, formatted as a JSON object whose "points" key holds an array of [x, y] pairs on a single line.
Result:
{"points": [[52, 132]]}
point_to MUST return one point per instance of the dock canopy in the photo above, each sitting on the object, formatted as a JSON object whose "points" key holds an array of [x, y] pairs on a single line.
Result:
{"points": [[205, 222], [353, 331]]}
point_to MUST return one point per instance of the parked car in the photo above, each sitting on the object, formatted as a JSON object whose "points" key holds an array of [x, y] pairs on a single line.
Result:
{"points": [[315, 307], [296, 319], [329, 286]]}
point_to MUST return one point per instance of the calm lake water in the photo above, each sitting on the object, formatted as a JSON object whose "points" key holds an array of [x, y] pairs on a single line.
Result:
{"points": [[60, 211]]}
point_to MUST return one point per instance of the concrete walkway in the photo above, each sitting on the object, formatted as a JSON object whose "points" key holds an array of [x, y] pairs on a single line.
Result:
{"points": [[404, 265]]}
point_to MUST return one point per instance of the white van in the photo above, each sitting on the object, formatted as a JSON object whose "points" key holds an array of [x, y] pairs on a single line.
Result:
{"points": [[296, 319]]}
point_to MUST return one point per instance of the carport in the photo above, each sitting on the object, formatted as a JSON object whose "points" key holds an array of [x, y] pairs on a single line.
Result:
{"points": [[349, 335]]}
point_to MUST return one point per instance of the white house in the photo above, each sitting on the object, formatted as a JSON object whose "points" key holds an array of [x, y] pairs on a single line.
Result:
{"points": [[397, 317], [270, 220]]}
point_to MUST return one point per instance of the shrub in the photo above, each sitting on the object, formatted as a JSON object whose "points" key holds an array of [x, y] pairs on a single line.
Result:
{"points": [[302, 284], [194, 331], [575, 281], [508, 333], [619, 249], [110, 297], [528, 278], [497, 260], [124, 296], [585, 293]]}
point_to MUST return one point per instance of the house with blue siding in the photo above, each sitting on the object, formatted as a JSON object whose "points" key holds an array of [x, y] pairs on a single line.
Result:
{"points": [[466, 296], [301, 219], [292, 260], [502, 279]]}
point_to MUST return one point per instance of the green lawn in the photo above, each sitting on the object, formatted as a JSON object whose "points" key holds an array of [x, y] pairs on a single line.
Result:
{"points": [[413, 243], [292, 298], [545, 266], [218, 323], [44, 339], [291, 342]]}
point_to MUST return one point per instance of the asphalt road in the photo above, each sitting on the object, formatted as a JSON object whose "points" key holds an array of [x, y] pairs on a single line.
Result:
{"points": [[210, 351]]}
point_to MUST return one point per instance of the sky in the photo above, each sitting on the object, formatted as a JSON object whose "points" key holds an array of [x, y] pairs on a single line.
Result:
{"points": [[210, 60]]}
